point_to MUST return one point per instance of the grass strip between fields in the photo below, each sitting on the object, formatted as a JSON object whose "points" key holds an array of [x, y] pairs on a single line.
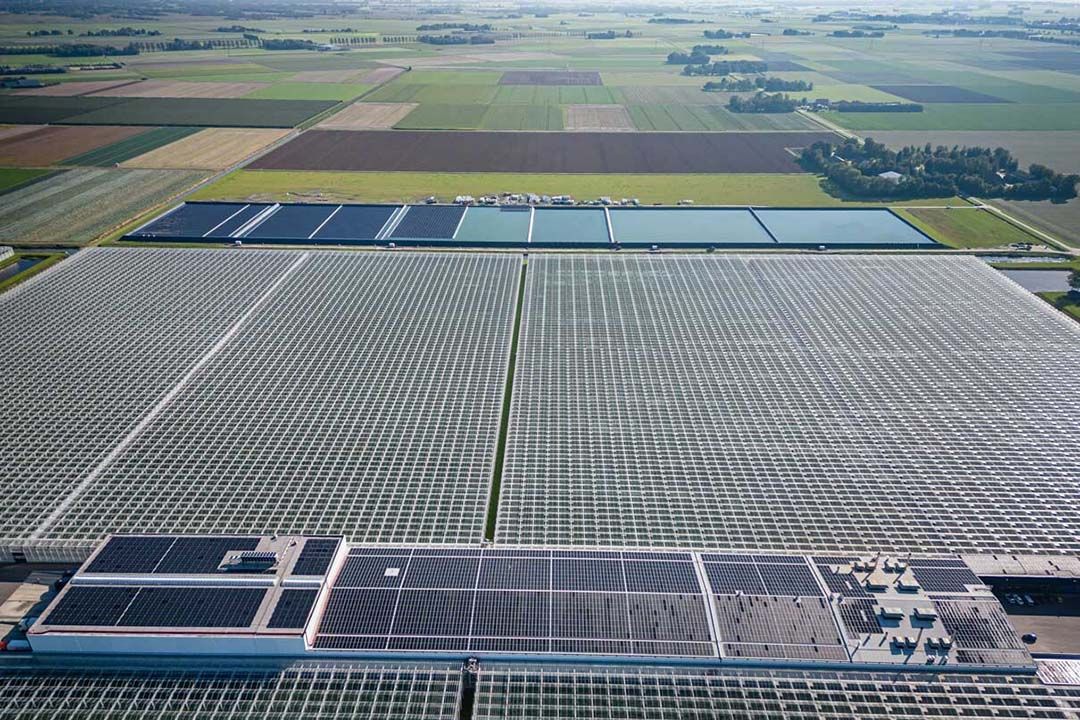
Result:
{"points": [[504, 421]]}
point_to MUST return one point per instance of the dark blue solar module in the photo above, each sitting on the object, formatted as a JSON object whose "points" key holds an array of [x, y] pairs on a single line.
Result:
{"points": [[429, 222], [433, 612], [679, 618], [374, 571], [512, 614], [191, 220], [91, 606], [793, 580], [661, 577], [595, 575], [292, 222], [292, 609], [359, 612], [732, 578], [860, 617], [209, 607], [131, 554], [845, 584], [950, 579], [595, 616], [356, 222], [442, 572], [515, 573], [316, 556], [195, 555], [234, 222]]}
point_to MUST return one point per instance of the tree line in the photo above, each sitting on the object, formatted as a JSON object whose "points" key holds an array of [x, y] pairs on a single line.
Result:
{"points": [[769, 84], [763, 103], [928, 171], [726, 67]]}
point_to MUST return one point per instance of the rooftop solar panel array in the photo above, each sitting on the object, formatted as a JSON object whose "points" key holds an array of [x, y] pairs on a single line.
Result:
{"points": [[158, 607], [344, 440], [429, 221], [631, 604], [91, 346], [314, 691], [815, 404], [694, 694]]}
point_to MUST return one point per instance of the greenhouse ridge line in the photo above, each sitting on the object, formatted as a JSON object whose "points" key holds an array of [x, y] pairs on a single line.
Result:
{"points": [[167, 399]]}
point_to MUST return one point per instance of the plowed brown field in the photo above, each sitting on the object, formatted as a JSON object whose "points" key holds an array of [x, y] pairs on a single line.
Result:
{"points": [[49, 145]]}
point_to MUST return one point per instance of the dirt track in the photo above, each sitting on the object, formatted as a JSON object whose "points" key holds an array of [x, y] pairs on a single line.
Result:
{"points": [[537, 152]]}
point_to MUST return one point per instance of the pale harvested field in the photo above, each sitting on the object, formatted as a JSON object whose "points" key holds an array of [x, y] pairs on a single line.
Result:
{"points": [[381, 75], [211, 149], [598, 118], [368, 116], [74, 89], [49, 145], [478, 58], [329, 76], [183, 89]]}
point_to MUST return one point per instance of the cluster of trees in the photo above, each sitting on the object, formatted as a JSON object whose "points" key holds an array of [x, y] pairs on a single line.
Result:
{"points": [[858, 33], [673, 21], [718, 35], [726, 67], [32, 69], [603, 35], [793, 31], [320, 31], [763, 103], [456, 39], [287, 44], [88, 50], [238, 29], [860, 106], [46, 33], [854, 168], [709, 50], [468, 27], [681, 58], [759, 83], [121, 32]]}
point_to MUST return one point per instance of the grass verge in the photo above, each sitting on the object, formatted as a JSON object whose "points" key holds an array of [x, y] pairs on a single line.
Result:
{"points": [[726, 189], [48, 261], [966, 228], [1068, 303], [504, 422]]}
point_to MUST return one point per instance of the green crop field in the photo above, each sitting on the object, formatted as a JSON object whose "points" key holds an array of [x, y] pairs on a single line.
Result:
{"points": [[204, 112], [742, 189], [966, 117], [309, 91], [132, 147], [966, 228], [11, 178], [444, 117], [522, 117]]}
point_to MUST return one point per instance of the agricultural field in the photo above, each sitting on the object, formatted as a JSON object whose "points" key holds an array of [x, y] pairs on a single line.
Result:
{"points": [[966, 227], [142, 142], [183, 89], [598, 118], [1057, 149], [77, 206], [51, 145], [368, 116], [309, 91], [540, 152], [1062, 220], [11, 178], [977, 116], [209, 149], [711, 189], [74, 89]]}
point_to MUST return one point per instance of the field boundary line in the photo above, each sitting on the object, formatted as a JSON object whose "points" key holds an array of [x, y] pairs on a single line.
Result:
{"points": [[830, 126], [166, 400]]}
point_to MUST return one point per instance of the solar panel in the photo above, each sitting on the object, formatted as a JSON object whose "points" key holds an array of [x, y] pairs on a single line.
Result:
{"points": [[356, 222], [597, 575], [589, 615], [950, 579], [131, 554], [359, 612], [194, 555], [513, 573], [191, 220], [292, 609], [208, 607], [374, 571], [732, 578], [791, 580], [437, 572], [661, 577], [512, 614], [292, 222], [316, 556], [91, 606], [669, 618], [860, 617], [429, 222], [433, 613]]}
